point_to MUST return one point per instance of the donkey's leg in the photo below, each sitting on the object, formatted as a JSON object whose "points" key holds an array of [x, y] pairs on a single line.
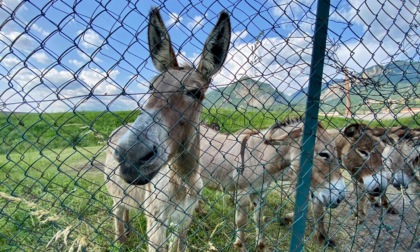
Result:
{"points": [[200, 208], [127, 221], [157, 209], [319, 213], [119, 222], [241, 218], [258, 201], [180, 240], [184, 210], [156, 232]]}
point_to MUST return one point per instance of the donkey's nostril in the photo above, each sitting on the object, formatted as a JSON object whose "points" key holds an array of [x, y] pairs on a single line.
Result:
{"points": [[377, 190], [397, 186], [338, 201], [149, 155]]}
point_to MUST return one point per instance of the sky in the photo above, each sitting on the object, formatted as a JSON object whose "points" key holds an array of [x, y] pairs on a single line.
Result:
{"points": [[93, 55]]}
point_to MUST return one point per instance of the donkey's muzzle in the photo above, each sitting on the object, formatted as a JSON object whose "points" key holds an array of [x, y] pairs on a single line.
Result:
{"points": [[137, 169], [376, 192]]}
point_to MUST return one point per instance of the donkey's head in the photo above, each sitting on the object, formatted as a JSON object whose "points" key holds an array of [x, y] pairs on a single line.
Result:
{"points": [[166, 130], [401, 154], [327, 179], [402, 160], [327, 184], [363, 158]]}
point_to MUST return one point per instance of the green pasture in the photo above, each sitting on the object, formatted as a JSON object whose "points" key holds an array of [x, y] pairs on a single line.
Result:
{"points": [[53, 198]]}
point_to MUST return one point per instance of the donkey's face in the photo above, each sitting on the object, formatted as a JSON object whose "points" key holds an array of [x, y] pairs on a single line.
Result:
{"points": [[327, 184], [166, 130], [401, 155], [363, 159], [327, 180], [402, 159]]}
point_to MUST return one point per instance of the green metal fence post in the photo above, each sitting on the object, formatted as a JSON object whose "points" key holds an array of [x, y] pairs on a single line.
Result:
{"points": [[311, 121]]}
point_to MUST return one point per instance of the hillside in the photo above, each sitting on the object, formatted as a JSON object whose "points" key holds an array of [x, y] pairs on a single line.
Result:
{"points": [[384, 85], [245, 93]]}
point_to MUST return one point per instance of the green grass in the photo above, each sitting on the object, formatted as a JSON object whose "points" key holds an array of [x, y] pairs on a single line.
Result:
{"points": [[29, 132], [45, 194], [46, 189]]}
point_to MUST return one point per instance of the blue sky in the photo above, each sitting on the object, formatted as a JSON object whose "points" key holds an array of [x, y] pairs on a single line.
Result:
{"points": [[59, 56]]}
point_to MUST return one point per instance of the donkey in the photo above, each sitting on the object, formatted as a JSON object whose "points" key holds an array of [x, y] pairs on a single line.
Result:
{"points": [[401, 157], [360, 155], [244, 165], [153, 164]]}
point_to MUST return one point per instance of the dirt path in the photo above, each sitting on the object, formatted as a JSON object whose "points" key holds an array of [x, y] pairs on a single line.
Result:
{"points": [[380, 231]]}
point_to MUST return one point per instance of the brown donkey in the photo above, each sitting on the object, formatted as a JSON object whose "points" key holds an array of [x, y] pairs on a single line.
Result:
{"points": [[360, 154], [152, 164]]}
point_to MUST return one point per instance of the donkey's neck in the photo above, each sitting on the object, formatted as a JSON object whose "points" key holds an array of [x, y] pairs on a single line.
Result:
{"points": [[184, 160], [276, 157]]}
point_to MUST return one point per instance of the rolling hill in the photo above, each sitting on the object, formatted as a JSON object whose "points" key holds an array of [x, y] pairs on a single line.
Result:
{"points": [[246, 93]]}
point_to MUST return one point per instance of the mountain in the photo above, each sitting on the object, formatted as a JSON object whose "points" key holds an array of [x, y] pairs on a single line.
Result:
{"points": [[246, 93], [391, 82]]}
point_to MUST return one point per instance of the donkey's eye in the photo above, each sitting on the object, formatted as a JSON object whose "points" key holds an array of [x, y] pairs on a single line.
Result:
{"points": [[324, 155], [194, 93], [363, 153]]}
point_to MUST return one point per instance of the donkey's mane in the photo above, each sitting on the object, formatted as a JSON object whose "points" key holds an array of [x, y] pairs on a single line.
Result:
{"points": [[287, 122], [291, 122]]}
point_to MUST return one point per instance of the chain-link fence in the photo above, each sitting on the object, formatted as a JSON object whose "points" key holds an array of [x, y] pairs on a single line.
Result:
{"points": [[183, 125]]}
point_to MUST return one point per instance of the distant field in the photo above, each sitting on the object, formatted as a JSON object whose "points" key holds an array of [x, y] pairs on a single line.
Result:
{"points": [[38, 132]]}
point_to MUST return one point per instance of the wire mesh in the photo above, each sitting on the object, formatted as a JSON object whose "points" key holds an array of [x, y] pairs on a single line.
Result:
{"points": [[89, 102]]}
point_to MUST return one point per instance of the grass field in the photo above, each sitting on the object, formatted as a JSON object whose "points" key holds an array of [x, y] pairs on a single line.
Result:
{"points": [[50, 200]]}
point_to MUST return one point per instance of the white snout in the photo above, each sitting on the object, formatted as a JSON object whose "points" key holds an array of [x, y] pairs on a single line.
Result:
{"points": [[332, 196], [377, 183], [400, 180]]}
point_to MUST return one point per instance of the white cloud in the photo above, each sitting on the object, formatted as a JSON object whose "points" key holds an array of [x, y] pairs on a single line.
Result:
{"points": [[38, 29], [284, 63], [10, 61], [239, 35], [42, 96], [291, 9], [20, 40], [90, 39], [196, 22], [11, 4], [174, 19], [101, 81], [385, 31], [83, 55], [76, 63], [41, 57]]}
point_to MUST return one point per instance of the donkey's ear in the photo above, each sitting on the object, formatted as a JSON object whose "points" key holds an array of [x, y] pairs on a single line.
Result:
{"points": [[160, 46], [353, 131], [216, 47]]}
